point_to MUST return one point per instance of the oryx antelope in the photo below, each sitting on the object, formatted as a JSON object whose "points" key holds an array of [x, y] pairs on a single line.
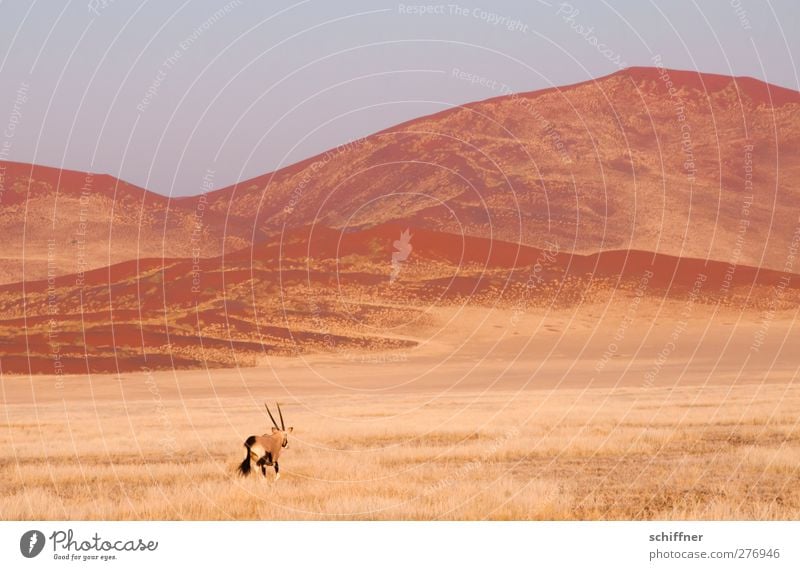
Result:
{"points": [[266, 449]]}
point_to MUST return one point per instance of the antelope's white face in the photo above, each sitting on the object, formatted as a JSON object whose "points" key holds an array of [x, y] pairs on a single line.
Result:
{"points": [[285, 433], [282, 428]]}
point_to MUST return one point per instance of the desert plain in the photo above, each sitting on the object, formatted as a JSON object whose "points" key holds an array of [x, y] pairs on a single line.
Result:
{"points": [[496, 414]]}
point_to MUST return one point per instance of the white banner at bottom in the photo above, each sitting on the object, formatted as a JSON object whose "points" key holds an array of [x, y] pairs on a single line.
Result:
{"points": [[400, 545]]}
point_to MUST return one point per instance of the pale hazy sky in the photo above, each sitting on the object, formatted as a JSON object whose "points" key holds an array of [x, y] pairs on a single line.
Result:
{"points": [[159, 92]]}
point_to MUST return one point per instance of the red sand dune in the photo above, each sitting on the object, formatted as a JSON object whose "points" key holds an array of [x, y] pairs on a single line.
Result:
{"points": [[559, 195], [600, 165], [301, 292]]}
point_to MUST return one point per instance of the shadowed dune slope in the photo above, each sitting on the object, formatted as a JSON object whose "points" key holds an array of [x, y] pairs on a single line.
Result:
{"points": [[318, 288]]}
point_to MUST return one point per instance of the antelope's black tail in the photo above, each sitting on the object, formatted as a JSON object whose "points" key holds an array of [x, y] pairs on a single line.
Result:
{"points": [[244, 468]]}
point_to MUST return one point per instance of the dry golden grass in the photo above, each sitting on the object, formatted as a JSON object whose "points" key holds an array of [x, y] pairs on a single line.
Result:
{"points": [[633, 453]]}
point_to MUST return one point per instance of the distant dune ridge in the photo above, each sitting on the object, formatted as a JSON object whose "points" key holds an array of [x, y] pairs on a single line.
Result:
{"points": [[646, 170]]}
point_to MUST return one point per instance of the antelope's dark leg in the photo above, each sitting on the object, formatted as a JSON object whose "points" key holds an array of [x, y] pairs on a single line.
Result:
{"points": [[277, 471]]}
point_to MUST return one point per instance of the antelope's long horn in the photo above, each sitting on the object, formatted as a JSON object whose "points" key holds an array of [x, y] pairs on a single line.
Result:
{"points": [[283, 426], [270, 415]]}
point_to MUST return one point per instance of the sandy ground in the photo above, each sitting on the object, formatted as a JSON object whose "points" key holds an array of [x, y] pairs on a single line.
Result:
{"points": [[474, 349], [606, 413]]}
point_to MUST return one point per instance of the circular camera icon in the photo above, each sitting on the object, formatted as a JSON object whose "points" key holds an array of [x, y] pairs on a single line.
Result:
{"points": [[31, 543]]}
